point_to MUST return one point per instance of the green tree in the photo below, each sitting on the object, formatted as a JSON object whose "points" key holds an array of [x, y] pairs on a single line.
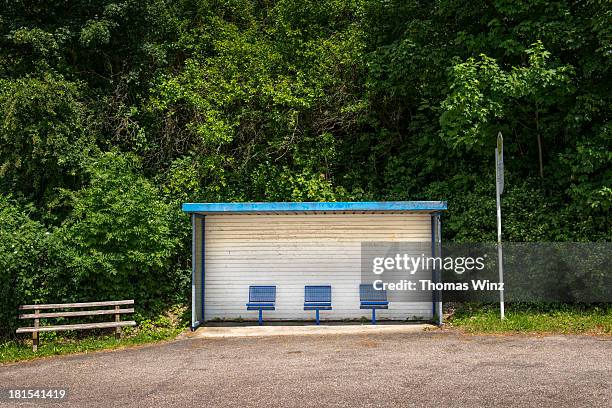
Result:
{"points": [[44, 136], [484, 98]]}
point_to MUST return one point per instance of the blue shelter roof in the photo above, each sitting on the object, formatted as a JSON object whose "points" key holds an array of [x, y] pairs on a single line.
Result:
{"points": [[315, 207]]}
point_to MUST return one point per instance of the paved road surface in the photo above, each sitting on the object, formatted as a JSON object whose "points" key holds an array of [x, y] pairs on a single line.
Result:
{"points": [[367, 370]]}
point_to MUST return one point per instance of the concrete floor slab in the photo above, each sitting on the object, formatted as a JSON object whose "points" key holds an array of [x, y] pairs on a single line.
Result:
{"points": [[291, 330]]}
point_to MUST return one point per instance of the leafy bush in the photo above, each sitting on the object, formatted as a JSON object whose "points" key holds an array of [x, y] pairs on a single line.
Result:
{"points": [[44, 140], [23, 256], [117, 242]]}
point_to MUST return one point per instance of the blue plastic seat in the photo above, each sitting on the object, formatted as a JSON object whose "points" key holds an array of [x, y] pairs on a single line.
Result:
{"points": [[370, 298], [261, 298], [317, 298]]}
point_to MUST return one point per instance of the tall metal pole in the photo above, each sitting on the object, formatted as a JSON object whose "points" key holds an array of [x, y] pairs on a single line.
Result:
{"points": [[193, 271], [439, 272], [499, 188]]}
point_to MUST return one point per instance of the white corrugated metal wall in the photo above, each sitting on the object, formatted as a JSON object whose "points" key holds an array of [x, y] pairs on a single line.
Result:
{"points": [[291, 251]]}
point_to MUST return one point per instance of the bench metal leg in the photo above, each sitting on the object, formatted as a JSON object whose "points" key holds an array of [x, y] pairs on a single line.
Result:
{"points": [[373, 316], [317, 316], [260, 317]]}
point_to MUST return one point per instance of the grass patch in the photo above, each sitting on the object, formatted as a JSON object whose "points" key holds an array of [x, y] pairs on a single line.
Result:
{"points": [[529, 318], [14, 350]]}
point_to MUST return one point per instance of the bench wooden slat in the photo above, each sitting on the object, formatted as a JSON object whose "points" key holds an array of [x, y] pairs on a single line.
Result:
{"points": [[72, 305], [76, 326], [77, 313]]}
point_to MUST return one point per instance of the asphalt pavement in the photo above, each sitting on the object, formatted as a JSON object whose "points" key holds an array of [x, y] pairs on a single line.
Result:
{"points": [[432, 368]]}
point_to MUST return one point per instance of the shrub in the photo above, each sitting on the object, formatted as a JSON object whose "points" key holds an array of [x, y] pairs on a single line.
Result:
{"points": [[118, 241], [23, 276]]}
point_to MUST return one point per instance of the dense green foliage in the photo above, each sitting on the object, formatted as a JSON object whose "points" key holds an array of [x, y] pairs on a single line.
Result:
{"points": [[119, 238], [23, 262], [113, 112]]}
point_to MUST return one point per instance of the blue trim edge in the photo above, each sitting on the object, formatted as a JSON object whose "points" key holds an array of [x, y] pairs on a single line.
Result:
{"points": [[274, 207], [203, 266]]}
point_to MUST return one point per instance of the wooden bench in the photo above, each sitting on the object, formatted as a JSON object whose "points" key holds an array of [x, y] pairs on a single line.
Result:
{"points": [[117, 311]]}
